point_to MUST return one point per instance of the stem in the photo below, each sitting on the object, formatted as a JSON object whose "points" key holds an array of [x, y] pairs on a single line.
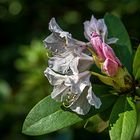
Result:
{"points": [[94, 73], [99, 75]]}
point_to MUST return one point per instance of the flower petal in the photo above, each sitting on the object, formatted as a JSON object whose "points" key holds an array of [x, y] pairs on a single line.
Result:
{"points": [[61, 63], [99, 27], [60, 41], [54, 27], [78, 82], [109, 53], [81, 105], [110, 67], [54, 78], [92, 99], [102, 29], [85, 62], [96, 42], [55, 44], [112, 40], [90, 27], [60, 93]]}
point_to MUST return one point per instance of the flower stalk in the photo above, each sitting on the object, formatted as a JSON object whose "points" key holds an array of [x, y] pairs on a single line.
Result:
{"points": [[121, 82]]}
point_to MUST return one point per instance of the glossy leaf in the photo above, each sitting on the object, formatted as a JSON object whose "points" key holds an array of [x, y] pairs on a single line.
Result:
{"points": [[96, 124], [123, 119], [136, 64], [48, 116], [99, 122], [123, 48]]}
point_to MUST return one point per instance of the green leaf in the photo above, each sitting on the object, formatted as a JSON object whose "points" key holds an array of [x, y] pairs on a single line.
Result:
{"points": [[96, 124], [123, 119], [48, 116], [137, 132], [123, 46], [137, 76], [99, 122], [136, 64]]}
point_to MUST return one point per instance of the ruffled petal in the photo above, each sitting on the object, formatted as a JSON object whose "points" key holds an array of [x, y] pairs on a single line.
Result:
{"points": [[60, 41], [61, 63], [99, 27], [70, 63], [81, 105], [54, 27], [54, 78], [92, 99], [85, 62], [55, 44], [74, 90], [60, 93], [102, 29], [95, 25], [87, 31], [78, 82]]}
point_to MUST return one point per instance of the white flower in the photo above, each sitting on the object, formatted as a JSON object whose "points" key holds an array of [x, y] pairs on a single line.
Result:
{"points": [[75, 91], [70, 62], [67, 71], [60, 41], [99, 27], [68, 56]]}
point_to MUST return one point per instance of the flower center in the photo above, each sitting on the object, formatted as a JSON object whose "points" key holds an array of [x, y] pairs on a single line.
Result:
{"points": [[70, 99]]}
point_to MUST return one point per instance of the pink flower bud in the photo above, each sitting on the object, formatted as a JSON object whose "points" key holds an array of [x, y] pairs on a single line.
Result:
{"points": [[105, 54], [96, 42], [111, 63]]}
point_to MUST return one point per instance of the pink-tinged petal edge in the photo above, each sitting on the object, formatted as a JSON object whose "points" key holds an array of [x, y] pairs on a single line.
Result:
{"points": [[109, 53], [96, 42], [110, 67]]}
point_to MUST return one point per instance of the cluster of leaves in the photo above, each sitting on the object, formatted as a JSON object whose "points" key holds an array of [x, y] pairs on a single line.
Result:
{"points": [[118, 114]]}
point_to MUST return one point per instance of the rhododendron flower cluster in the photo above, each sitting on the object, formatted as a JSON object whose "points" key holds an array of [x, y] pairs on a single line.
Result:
{"points": [[69, 67]]}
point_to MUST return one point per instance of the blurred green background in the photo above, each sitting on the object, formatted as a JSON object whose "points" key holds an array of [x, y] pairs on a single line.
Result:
{"points": [[23, 27]]}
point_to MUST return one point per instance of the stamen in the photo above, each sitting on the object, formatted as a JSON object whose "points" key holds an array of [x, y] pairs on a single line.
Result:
{"points": [[70, 98]]}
